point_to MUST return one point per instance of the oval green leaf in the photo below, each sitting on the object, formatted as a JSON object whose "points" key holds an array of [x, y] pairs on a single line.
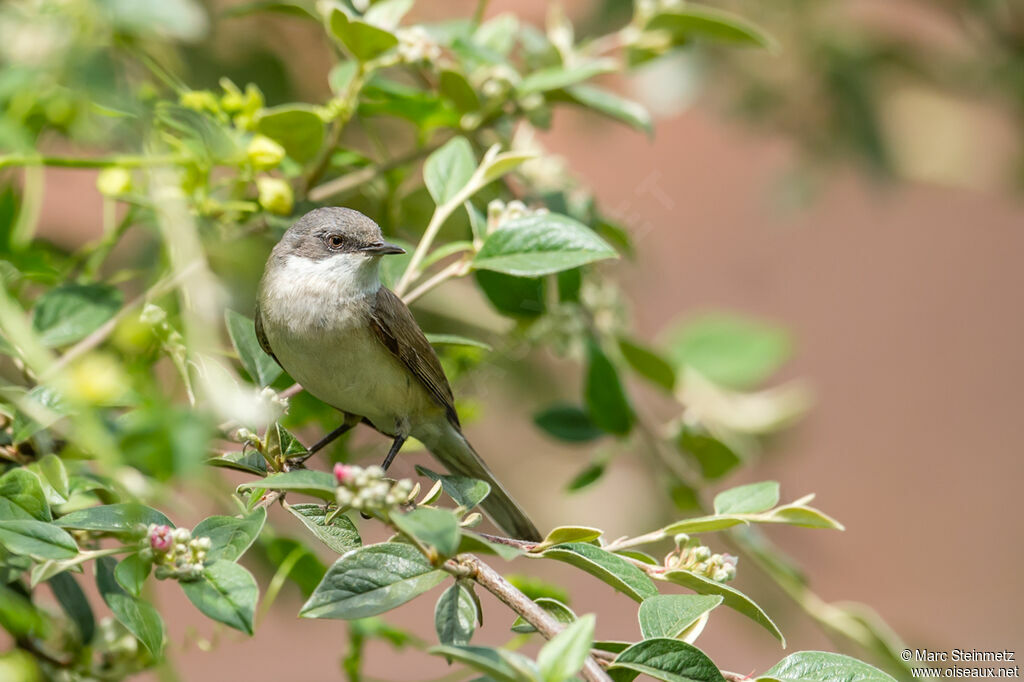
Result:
{"points": [[371, 580], [340, 534], [612, 569], [226, 593], [670, 660], [732, 598], [668, 615], [541, 244]]}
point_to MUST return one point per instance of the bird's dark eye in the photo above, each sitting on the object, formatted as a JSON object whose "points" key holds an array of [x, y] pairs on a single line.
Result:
{"points": [[334, 241]]}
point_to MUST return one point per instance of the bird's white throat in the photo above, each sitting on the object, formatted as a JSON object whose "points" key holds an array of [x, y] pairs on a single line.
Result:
{"points": [[314, 293]]}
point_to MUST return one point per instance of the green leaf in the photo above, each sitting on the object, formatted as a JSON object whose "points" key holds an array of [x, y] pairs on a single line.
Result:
{"points": [[519, 297], [497, 664], [371, 580], [822, 666], [474, 544], [438, 528], [227, 593], [75, 604], [556, 609], [249, 461], [131, 572], [568, 423], [139, 617], [340, 534], [19, 616], [455, 615], [280, 443], [700, 21], [590, 475], [557, 77], [748, 499], [563, 656], [37, 539], [54, 478], [666, 659], [732, 598], [541, 244], [612, 569], [800, 515], [730, 350], [456, 88], [467, 492], [714, 457], [456, 340], [113, 518], [669, 615], [296, 127], [564, 534], [341, 75], [70, 312], [306, 481], [260, 366], [648, 364], [704, 524], [365, 41], [449, 169], [611, 105], [22, 496], [387, 13], [230, 536], [603, 394]]}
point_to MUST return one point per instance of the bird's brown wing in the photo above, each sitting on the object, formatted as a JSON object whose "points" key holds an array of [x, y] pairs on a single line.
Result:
{"points": [[261, 336], [396, 328]]}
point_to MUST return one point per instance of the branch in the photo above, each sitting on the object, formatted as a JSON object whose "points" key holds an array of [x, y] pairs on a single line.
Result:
{"points": [[546, 625]]}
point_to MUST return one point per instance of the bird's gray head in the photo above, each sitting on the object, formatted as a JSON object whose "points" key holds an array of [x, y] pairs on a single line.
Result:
{"points": [[327, 232], [327, 252]]}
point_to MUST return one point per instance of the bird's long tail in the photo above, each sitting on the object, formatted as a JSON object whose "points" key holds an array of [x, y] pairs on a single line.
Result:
{"points": [[453, 451]]}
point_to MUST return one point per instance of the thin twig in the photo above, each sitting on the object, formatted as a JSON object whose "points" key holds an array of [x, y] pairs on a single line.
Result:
{"points": [[456, 269], [546, 625], [352, 180]]}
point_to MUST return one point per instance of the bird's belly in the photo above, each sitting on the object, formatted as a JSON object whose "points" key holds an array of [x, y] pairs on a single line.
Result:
{"points": [[353, 372]]}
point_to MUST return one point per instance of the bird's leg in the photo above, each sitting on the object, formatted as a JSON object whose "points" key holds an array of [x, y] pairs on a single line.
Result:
{"points": [[395, 447], [323, 442]]}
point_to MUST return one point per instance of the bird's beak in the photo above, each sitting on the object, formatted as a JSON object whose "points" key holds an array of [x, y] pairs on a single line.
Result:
{"points": [[382, 249]]}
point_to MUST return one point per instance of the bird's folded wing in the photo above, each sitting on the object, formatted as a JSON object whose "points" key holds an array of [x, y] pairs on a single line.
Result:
{"points": [[397, 329], [261, 336]]}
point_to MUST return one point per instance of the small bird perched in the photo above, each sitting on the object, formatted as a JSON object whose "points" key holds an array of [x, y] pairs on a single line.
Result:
{"points": [[325, 317]]}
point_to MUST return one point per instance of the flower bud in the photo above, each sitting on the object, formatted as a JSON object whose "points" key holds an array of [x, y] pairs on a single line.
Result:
{"points": [[114, 181], [343, 473], [264, 152], [275, 195], [160, 538]]}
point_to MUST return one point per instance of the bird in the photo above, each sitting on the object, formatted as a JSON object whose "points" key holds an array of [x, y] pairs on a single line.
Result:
{"points": [[325, 317]]}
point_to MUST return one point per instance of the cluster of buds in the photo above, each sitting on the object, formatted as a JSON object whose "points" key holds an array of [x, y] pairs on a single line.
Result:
{"points": [[416, 45], [176, 554], [367, 490], [277, 402], [499, 212], [692, 556], [241, 108], [497, 80]]}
